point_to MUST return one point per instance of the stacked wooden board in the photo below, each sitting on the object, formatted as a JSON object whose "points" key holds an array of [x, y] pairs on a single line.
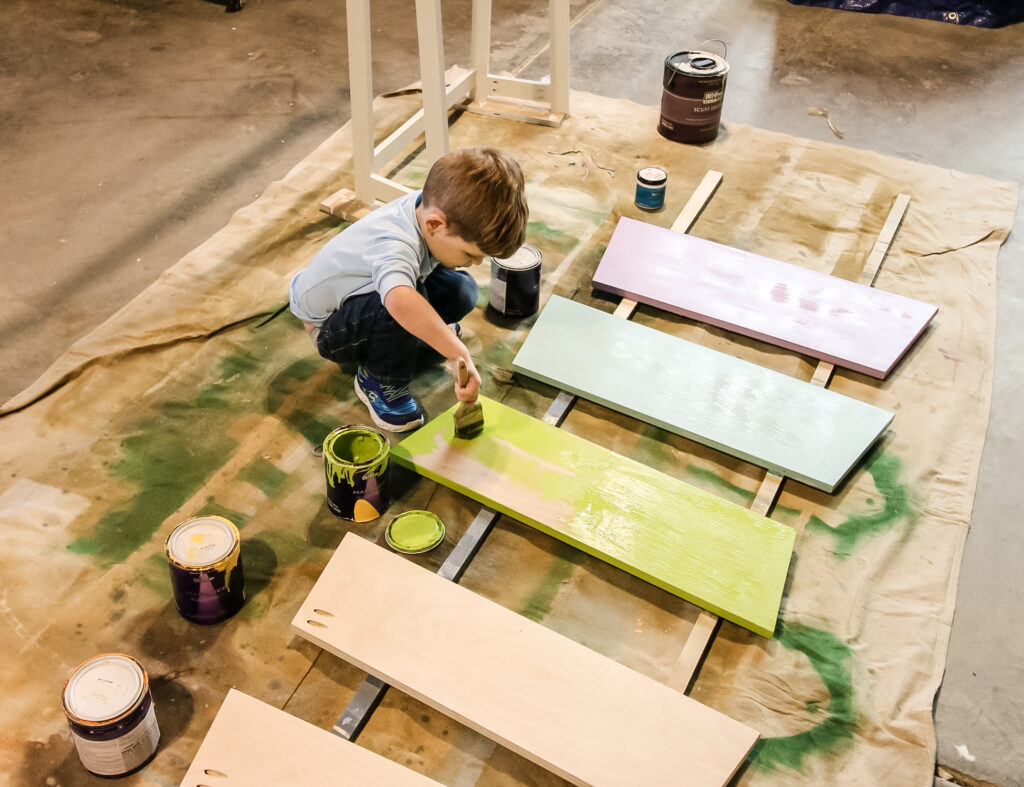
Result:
{"points": [[848, 324], [777, 422], [250, 744], [575, 712]]}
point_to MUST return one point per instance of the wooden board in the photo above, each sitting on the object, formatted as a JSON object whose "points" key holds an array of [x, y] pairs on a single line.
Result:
{"points": [[571, 710], [780, 423], [848, 324], [691, 543], [251, 744]]}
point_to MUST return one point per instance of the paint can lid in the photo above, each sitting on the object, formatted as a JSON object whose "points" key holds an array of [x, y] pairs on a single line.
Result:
{"points": [[652, 176], [528, 256], [697, 63], [104, 688], [201, 542], [414, 532]]}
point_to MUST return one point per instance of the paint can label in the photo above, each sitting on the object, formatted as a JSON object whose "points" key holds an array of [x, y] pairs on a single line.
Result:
{"points": [[111, 714], [515, 282], [691, 102], [204, 556], [356, 467], [121, 755]]}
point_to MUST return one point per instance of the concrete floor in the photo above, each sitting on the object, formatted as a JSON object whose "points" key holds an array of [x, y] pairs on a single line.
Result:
{"points": [[132, 130]]}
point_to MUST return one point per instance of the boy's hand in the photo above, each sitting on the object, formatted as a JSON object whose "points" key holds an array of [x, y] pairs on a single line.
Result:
{"points": [[467, 383]]}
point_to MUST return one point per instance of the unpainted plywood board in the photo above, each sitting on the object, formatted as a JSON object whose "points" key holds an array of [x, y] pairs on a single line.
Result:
{"points": [[251, 744], [573, 711], [694, 544], [785, 425], [846, 323]]}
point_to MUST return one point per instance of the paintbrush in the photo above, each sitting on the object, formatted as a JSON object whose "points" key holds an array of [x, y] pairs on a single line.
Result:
{"points": [[469, 416]]}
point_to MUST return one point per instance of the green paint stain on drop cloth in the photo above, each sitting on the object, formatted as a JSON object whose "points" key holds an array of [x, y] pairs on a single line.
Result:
{"points": [[885, 469], [830, 658], [168, 458], [264, 475], [539, 603]]}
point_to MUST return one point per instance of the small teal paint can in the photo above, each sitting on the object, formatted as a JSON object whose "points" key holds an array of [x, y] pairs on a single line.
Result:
{"points": [[650, 188]]}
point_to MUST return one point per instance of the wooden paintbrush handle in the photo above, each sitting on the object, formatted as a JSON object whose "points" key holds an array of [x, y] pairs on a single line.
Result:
{"points": [[462, 371]]}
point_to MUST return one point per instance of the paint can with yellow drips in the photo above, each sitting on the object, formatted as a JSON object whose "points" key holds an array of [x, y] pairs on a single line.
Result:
{"points": [[204, 555], [356, 465]]}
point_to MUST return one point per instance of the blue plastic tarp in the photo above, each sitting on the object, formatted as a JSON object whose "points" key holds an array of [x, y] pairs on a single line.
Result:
{"points": [[962, 12]]}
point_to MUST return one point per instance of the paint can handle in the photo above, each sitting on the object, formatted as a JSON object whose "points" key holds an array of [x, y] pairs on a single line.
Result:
{"points": [[725, 49]]}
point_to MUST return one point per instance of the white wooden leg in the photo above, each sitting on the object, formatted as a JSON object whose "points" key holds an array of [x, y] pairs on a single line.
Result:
{"points": [[360, 95], [481, 48], [559, 13], [431, 42]]}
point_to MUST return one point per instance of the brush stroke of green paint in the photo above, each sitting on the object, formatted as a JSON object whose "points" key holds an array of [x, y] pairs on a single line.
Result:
{"points": [[885, 469], [830, 659]]}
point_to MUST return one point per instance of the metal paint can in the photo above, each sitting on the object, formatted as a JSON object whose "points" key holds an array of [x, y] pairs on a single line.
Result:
{"points": [[356, 466], [111, 714], [650, 188], [691, 101], [515, 282], [204, 556]]}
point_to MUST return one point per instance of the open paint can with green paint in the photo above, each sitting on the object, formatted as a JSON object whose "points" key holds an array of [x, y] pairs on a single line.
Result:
{"points": [[356, 465], [414, 532]]}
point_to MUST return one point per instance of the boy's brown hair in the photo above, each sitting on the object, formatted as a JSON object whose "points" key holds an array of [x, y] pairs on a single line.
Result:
{"points": [[483, 196]]}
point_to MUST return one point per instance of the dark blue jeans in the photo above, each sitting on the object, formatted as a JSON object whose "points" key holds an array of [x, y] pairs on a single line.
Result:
{"points": [[363, 332]]}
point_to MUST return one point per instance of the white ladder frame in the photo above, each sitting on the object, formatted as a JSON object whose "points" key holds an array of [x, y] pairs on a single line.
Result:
{"points": [[478, 90]]}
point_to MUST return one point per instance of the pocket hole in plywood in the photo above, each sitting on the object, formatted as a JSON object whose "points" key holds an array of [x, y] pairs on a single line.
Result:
{"points": [[323, 612], [317, 623], [218, 774]]}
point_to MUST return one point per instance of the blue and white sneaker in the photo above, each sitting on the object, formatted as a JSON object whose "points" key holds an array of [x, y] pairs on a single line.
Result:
{"points": [[391, 407]]}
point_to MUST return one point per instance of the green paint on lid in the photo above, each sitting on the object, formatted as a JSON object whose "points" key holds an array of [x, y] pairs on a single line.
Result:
{"points": [[414, 532]]}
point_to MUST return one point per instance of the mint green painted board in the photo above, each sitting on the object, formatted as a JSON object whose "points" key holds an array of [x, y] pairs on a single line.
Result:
{"points": [[785, 425], [716, 554]]}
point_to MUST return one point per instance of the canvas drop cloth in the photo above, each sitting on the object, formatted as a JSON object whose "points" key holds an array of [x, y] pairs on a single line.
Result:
{"points": [[203, 395]]}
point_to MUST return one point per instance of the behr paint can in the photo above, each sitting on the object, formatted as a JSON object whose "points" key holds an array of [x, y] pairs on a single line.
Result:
{"points": [[515, 282], [204, 556], [111, 714], [650, 188], [691, 101], [356, 465]]}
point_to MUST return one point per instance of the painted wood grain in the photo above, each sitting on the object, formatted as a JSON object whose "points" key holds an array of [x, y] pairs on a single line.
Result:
{"points": [[691, 543], [775, 421], [252, 744], [846, 323], [554, 701]]}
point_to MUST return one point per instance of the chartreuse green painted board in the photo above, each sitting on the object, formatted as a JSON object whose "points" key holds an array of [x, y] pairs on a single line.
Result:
{"points": [[718, 555], [788, 426]]}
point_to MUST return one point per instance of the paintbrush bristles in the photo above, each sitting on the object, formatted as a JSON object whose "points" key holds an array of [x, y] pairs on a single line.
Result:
{"points": [[469, 416]]}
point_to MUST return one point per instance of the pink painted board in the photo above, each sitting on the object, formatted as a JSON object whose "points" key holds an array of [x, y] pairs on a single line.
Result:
{"points": [[839, 321]]}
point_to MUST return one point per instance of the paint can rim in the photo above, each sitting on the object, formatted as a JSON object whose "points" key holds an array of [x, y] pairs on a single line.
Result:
{"points": [[230, 544], [652, 176], [720, 65], [138, 689], [394, 540], [330, 456], [526, 257]]}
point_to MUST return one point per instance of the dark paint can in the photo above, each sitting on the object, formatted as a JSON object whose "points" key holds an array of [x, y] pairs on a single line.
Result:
{"points": [[204, 555], [515, 282], [356, 465], [650, 188], [691, 101], [111, 714]]}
